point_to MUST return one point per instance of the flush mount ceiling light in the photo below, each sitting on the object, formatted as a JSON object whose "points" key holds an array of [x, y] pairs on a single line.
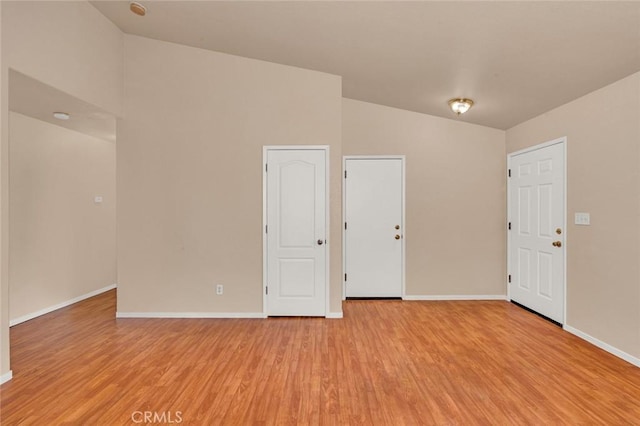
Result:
{"points": [[460, 105], [137, 8], [61, 115]]}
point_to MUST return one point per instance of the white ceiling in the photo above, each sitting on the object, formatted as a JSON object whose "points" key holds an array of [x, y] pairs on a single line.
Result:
{"points": [[515, 59]]}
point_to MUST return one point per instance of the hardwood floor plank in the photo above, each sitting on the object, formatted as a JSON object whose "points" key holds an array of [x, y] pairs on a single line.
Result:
{"points": [[385, 363]]}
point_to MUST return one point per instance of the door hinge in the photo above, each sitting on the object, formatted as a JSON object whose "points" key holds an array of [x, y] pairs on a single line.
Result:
{"points": [[509, 172], [266, 167], [345, 225], [509, 277], [345, 174], [266, 229], [266, 290], [509, 226], [345, 277]]}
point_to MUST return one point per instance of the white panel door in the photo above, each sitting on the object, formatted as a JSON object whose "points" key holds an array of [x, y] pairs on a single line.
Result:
{"points": [[536, 238], [374, 227], [296, 246]]}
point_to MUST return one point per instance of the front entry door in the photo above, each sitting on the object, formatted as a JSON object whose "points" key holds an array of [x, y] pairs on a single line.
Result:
{"points": [[374, 228], [536, 238], [296, 231]]}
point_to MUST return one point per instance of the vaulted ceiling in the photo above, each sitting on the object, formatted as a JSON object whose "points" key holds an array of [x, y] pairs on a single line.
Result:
{"points": [[516, 59]]}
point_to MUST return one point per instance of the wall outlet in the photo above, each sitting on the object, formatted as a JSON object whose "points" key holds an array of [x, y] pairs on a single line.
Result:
{"points": [[219, 289], [582, 219]]}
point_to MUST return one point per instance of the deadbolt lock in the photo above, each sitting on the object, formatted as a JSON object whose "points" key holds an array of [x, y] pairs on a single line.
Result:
{"points": [[558, 231], [397, 226]]}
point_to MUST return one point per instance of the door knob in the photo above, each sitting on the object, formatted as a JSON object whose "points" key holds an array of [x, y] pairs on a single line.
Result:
{"points": [[397, 237], [320, 242], [556, 244]]}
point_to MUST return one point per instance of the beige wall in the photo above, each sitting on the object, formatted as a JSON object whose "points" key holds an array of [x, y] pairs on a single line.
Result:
{"points": [[455, 195], [603, 172], [62, 244], [67, 45], [189, 172]]}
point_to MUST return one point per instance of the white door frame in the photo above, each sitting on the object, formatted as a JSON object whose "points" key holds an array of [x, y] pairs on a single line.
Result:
{"points": [[327, 281], [563, 142], [344, 212]]}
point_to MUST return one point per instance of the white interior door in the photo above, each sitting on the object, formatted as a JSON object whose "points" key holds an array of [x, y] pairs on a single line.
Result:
{"points": [[296, 232], [374, 228], [536, 237]]}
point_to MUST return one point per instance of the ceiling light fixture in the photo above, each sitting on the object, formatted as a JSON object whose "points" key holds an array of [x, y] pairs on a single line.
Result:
{"points": [[61, 115], [137, 8], [460, 105]]}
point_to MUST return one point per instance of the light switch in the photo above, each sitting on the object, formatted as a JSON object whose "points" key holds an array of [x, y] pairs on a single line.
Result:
{"points": [[582, 219], [97, 200]]}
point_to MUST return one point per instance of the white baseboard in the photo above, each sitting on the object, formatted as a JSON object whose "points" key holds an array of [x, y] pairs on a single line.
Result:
{"points": [[44, 311], [602, 345], [458, 297], [219, 315], [190, 315], [6, 377]]}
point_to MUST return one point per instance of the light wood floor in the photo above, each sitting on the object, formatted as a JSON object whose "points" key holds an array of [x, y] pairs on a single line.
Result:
{"points": [[385, 363]]}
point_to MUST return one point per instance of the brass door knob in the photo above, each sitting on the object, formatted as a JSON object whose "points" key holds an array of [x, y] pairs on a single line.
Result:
{"points": [[556, 244], [397, 237]]}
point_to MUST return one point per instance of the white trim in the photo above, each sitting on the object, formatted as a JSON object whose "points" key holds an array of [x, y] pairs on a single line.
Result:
{"points": [[539, 146], [373, 157], [563, 141], [344, 217], [190, 315], [335, 315], [264, 230], [64, 304], [565, 227], [506, 225], [327, 214], [457, 297], [6, 377], [604, 346]]}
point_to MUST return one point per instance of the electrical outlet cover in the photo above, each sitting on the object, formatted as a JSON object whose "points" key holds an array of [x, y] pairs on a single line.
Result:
{"points": [[582, 219]]}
